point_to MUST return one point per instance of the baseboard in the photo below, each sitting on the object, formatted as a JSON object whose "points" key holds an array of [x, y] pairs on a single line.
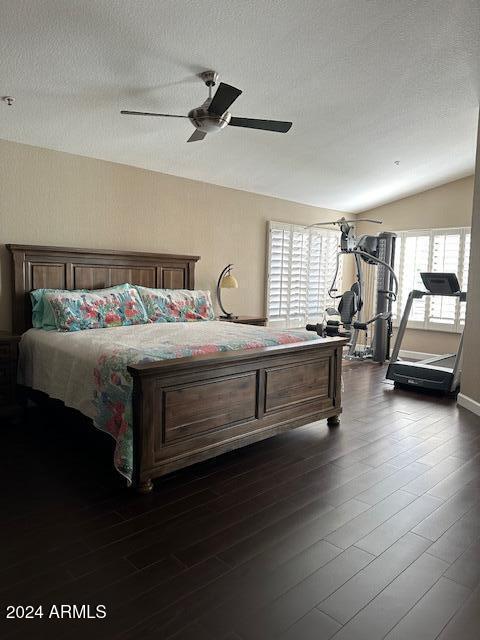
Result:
{"points": [[416, 355], [468, 403]]}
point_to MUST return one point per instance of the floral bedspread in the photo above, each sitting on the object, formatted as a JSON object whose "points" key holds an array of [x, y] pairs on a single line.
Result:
{"points": [[88, 369]]}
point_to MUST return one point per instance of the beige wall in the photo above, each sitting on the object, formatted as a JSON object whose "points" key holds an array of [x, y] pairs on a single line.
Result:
{"points": [[447, 206], [48, 197], [53, 198], [471, 358]]}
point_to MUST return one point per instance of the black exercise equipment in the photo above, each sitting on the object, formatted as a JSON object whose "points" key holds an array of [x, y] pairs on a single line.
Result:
{"points": [[441, 373], [377, 250]]}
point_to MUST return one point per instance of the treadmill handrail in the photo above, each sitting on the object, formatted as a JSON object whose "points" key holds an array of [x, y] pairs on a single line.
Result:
{"points": [[403, 324]]}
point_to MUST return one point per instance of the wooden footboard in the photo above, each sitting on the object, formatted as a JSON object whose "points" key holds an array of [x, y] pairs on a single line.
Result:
{"points": [[191, 409]]}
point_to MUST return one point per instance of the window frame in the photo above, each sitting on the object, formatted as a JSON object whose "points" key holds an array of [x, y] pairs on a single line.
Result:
{"points": [[427, 325]]}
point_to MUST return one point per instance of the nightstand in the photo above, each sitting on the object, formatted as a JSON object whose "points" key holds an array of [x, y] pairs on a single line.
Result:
{"points": [[259, 322], [8, 373]]}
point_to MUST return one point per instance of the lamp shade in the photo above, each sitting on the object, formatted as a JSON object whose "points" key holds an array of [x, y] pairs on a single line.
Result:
{"points": [[229, 282]]}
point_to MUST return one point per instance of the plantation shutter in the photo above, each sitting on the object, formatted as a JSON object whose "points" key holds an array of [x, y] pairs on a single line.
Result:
{"points": [[321, 269], [279, 274], [465, 260], [445, 257], [298, 277], [415, 260], [301, 267], [441, 250]]}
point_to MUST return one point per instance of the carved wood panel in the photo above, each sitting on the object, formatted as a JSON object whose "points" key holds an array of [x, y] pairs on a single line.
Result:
{"points": [[97, 277], [144, 277], [194, 409], [302, 382], [90, 277], [50, 276], [173, 278]]}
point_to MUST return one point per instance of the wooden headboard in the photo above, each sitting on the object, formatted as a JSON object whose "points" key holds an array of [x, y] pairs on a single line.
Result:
{"points": [[65, 268]]}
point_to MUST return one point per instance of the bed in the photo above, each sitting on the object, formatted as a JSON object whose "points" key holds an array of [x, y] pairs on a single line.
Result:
{"points": [[191, 390]]}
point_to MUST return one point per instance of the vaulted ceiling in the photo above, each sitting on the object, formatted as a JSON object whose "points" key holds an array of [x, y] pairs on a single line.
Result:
{"points": [[365, 82]]}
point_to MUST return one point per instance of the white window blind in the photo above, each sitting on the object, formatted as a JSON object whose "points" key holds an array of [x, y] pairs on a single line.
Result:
{"points": [[301, 267], [433, 250], [464, 262]]}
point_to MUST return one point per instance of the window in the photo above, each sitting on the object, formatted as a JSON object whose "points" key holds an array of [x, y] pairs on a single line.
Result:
{"points": [[301, 268], [435, 250]]}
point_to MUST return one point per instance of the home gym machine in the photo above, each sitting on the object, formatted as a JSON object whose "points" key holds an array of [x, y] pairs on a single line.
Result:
{"points": [[377, 250], [443, 372]]}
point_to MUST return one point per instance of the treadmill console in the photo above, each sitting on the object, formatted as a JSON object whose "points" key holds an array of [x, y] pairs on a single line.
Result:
{"points": [[441, 284]]}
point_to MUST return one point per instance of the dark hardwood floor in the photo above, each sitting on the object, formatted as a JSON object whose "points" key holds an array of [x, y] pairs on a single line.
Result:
{"points": [[367, 531]]}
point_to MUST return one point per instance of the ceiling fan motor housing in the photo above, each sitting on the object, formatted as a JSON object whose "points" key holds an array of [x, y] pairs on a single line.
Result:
{"points": [[208, 122]]}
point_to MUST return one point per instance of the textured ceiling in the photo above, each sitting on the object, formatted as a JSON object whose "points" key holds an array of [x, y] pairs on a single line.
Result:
{"points": [[365, 82]]}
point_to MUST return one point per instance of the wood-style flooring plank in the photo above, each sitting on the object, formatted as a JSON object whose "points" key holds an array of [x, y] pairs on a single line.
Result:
{"points": [[375, 620], [313, 626], [429, 616], [314, 529], [395, 481], [464, 625], [276, 617], [370, 519], [369, 582], [434, 525], [422, 483], [467, 473], [466, 569], [395, 527], [458, 538]]}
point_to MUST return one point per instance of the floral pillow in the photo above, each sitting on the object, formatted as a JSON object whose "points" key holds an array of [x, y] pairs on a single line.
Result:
{"points": [[42, 313], [176, 305], [78, 310]]}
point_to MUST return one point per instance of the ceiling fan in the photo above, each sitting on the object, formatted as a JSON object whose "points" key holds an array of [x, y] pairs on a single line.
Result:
{"points": [[213, 114]]}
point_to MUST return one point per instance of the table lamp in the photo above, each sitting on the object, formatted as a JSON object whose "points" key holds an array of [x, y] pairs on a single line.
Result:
{"points": [[225, 281]]}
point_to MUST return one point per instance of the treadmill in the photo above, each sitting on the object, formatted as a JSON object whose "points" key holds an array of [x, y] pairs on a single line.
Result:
{"points": [[440, 373]]}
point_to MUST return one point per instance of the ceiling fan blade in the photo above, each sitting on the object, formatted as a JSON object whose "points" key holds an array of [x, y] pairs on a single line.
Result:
{"points": [[147, 113], [197, 135], [223, 98], [267, 125]]}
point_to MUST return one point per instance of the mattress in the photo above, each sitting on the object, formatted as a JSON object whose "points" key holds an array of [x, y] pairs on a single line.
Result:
{"points": [[87, 370]]}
